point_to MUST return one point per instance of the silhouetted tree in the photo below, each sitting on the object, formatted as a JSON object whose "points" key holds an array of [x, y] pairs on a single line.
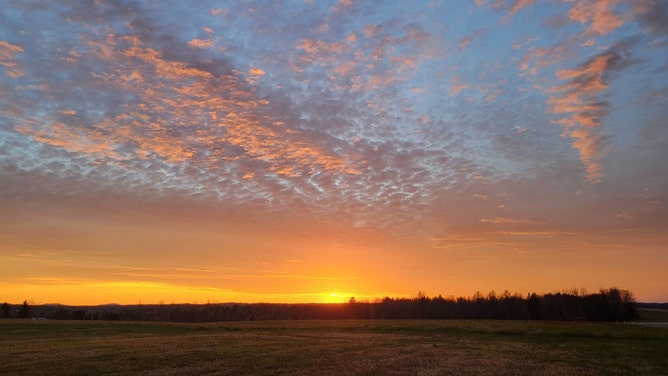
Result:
{"points": [[6, 310], [571, 305], [534, 306], [24, 312]]}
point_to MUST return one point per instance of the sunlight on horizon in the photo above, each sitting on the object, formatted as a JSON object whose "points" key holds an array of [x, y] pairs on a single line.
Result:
{"points": [[130, 293]]}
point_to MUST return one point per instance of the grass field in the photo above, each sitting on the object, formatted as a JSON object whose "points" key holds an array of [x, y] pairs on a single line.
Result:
{"points": [[40, 347], [653, 314]]}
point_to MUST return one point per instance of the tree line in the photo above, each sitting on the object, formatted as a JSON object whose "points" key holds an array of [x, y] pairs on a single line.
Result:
{"points": [[606, 305]]}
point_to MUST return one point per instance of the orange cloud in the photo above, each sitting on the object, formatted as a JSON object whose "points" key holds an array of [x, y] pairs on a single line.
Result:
{"points": [[258, 142], [254, 75], [256, 71], [505, 220], [372, 58], [182, 110], [170, 69], [591, 70], [548, 234], [73, 140], [516, 7], [200, 43], [600, 14], [456, 86], [539, 57], [469, 240], [577, 101], [220, 12], [626, 216], [321, 48], [7, 59], [464, 42]]}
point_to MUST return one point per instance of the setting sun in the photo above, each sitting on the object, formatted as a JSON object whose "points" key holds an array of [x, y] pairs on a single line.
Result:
{"points": [[334, 298]]}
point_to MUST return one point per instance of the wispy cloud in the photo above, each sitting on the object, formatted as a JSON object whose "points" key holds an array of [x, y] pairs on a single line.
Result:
{"points": [[8, 60], [581, 107], [186, 93], [600, 15], [512, 7], [653, 14], [506, 220], [457, 86], [200, 43], [464, 42]]}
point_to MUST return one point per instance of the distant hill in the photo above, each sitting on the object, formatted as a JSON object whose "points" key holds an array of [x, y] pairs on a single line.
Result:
{"points": [[652, 305]]}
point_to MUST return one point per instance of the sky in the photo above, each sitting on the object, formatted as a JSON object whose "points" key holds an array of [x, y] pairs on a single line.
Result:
{"points": [[313, 151]]}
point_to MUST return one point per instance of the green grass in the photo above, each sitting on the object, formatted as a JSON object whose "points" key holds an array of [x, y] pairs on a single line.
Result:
{"points": [[331, 348]]}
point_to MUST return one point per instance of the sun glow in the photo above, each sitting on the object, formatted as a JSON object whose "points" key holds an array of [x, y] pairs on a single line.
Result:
{"points": [[91, 292], [334, 298]]}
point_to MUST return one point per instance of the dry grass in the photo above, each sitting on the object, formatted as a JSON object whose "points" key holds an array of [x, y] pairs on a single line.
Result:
{"points": [[331, 348]]}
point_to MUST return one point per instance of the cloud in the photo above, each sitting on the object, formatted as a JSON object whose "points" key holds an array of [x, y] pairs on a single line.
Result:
{"points": [[653, 14], [73, 140], [600, 15], [539, 58], [506, 220], [582, 103], [164, 67], [370, 57], [464, 42], [345, 3], [519, 5], [547, 234], [254, 75], [253, 71], [462, 240], [200, 43], [8, 60], [326, 112], [513, 7], [220, 11], [625, 216], [580, 108], [164, 115]]}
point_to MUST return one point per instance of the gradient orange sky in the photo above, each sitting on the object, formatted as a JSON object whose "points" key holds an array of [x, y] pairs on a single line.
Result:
{"points": [[311, 151]]}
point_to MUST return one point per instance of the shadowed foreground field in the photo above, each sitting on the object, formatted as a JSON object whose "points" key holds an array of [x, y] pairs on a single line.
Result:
{"points": [[35, 347]]}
